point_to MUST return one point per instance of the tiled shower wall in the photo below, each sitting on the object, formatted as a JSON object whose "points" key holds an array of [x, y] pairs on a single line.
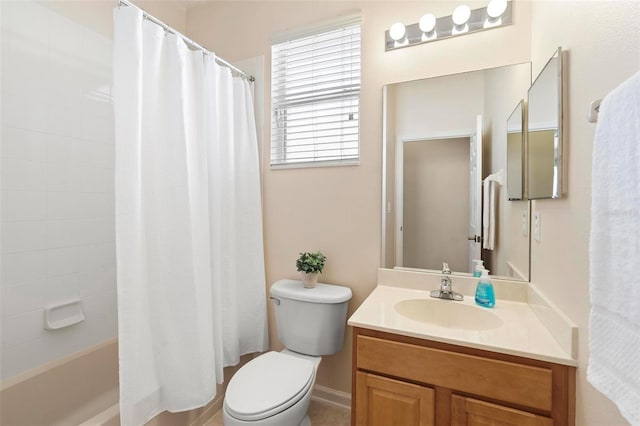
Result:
{"points": [[57, 152]]}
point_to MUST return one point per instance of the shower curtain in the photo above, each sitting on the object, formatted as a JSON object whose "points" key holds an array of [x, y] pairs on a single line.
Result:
{"points": [[191, 281]]}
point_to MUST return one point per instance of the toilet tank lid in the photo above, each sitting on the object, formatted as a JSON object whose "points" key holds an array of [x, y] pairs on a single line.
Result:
{"points": [[322, 293]]}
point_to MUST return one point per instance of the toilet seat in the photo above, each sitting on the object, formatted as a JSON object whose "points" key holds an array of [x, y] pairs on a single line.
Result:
{"points": [[268, 385]]}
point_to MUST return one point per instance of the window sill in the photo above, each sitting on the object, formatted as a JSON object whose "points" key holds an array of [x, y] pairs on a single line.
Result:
{"points": [[313, 164]]}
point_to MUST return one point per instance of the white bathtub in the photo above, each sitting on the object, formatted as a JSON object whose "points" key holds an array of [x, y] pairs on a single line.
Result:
{"points": [[82, 389], [67, 391]]}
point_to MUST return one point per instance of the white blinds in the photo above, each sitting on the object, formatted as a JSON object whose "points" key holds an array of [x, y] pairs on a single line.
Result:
{"points": [[315, 97]]}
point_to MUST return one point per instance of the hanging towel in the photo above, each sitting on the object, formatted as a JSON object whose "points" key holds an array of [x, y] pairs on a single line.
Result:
{"points": [[614, 252], [488, 214], [489, 208]]}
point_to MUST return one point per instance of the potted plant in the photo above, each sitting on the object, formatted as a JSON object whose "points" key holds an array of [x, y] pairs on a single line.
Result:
{"points": [[311, 265]]}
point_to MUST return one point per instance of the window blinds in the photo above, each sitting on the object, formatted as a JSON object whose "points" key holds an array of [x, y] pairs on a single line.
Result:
{"points": [[315, 97]]}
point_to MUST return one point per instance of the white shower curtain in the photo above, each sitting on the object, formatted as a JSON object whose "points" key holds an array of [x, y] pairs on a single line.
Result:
{"points": [[191, 282]]}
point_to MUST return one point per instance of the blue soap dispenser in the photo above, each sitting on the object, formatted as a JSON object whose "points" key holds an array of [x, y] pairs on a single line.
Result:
{"points": [[485, 296]]}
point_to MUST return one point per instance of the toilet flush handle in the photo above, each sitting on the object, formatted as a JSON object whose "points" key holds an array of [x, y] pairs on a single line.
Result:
{"points": [[275, 300]]}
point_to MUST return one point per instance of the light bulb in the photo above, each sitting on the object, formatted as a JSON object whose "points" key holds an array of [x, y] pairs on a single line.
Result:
{"points": [[397, 31], [427, 23], [496, 8], [461, 14]]}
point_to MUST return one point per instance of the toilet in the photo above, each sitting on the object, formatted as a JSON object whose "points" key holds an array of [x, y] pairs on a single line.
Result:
{"points": [[275, 388]]}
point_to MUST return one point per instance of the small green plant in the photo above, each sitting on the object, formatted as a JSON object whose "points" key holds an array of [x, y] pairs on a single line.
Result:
{"points": [[311, 262]]}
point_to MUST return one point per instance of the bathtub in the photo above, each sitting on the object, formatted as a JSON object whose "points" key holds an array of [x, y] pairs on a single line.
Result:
{"points": [[82, 389], [67, 391]]}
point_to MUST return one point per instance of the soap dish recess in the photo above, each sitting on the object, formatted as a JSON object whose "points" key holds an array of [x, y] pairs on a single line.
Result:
{"points": [[63, 315]]}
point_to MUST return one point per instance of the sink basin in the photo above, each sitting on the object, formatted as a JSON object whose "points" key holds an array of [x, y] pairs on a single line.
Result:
{"points": [[448, 314]]}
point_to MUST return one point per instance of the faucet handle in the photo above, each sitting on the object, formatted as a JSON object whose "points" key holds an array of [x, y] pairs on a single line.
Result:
{"points": [[445, 268]]}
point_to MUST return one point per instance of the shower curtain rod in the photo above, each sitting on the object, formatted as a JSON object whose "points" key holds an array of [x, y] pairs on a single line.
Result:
{"points": [[187, 40]]}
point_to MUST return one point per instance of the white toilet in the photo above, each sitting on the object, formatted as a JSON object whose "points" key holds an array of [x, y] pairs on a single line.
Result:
{"points": [[275, 388]]}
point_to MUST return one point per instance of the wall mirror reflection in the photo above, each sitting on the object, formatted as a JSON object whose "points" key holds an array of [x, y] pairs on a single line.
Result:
{"points": [[442, 136], [516, 153], [544, 131]]}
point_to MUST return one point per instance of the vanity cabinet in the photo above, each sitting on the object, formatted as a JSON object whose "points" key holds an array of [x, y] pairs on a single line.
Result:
{"points": [[404, 381], [384, 401]]}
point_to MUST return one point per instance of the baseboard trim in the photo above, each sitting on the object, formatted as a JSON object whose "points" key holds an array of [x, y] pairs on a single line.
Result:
{"points": [[214, 407], [332, 396]]}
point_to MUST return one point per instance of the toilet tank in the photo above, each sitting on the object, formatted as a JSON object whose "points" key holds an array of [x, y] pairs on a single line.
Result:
{"points": [[310, 320]]}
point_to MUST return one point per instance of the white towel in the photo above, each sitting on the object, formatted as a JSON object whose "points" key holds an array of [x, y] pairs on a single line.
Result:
{"points": [[489, 207], [614, 334]]}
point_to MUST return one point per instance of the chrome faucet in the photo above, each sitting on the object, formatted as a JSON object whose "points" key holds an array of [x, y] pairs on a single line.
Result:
{"points": [[446, 292]]}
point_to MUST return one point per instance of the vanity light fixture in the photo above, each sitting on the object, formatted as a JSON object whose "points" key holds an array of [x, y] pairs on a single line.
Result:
{"points": [[397, 32], [427, 25], [495, 9], [460, 17], [463, 20]]}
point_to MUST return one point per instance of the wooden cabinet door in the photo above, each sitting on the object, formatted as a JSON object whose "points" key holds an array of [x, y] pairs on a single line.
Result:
{"points": [[386, 402], [472, 412]]}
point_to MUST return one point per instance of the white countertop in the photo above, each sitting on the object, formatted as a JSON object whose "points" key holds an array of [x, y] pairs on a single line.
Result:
{"points": [[521, 333]]}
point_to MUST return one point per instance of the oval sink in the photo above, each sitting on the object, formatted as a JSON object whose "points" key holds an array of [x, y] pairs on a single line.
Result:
{"points": [[448, 314]]}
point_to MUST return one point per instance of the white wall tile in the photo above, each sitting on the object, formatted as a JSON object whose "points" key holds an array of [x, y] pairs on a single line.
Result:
{"points": [[57, 177], [67, 340], [100, 305], [22, 175], [24, 205], [61, 289], [21, 144], [22, 267], [93, 179], [21, 358], [59, 149], [99, 256], [97, 231], [63, 261], [97, 281], [19, 329], [63, 205], [98, 205], [22, 298], [94, 154], [64, 38], [22, 236], [62, 233], [28, 20]]}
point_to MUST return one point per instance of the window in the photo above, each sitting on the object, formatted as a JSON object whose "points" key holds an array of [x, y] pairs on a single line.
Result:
{"points": [[315, 97]]}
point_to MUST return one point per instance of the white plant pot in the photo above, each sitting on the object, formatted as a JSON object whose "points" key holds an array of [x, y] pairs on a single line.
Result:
{"points": [[310, 279]]}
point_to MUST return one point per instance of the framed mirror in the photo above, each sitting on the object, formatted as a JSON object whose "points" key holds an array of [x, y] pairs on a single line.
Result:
{"points": [[441, 137], [516, 153], [544, 131]]}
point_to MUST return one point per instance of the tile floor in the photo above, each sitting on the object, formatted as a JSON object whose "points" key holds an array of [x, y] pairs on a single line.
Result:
{"points": [[321, 414]]}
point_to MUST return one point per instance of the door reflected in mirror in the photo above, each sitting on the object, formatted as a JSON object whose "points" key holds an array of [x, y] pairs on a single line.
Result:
{"points": [[442, 136], [544, 132]]}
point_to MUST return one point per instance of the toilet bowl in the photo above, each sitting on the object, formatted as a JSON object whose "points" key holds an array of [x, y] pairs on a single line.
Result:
{"points": [[272, 389]]}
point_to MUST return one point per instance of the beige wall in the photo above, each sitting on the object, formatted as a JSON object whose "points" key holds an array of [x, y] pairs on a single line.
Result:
{"points": [[603, 41], [343, 218]]}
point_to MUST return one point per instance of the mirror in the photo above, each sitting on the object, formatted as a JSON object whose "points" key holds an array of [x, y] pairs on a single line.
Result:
{"points": [[515, 153], [544, 132], [442, 136]]}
